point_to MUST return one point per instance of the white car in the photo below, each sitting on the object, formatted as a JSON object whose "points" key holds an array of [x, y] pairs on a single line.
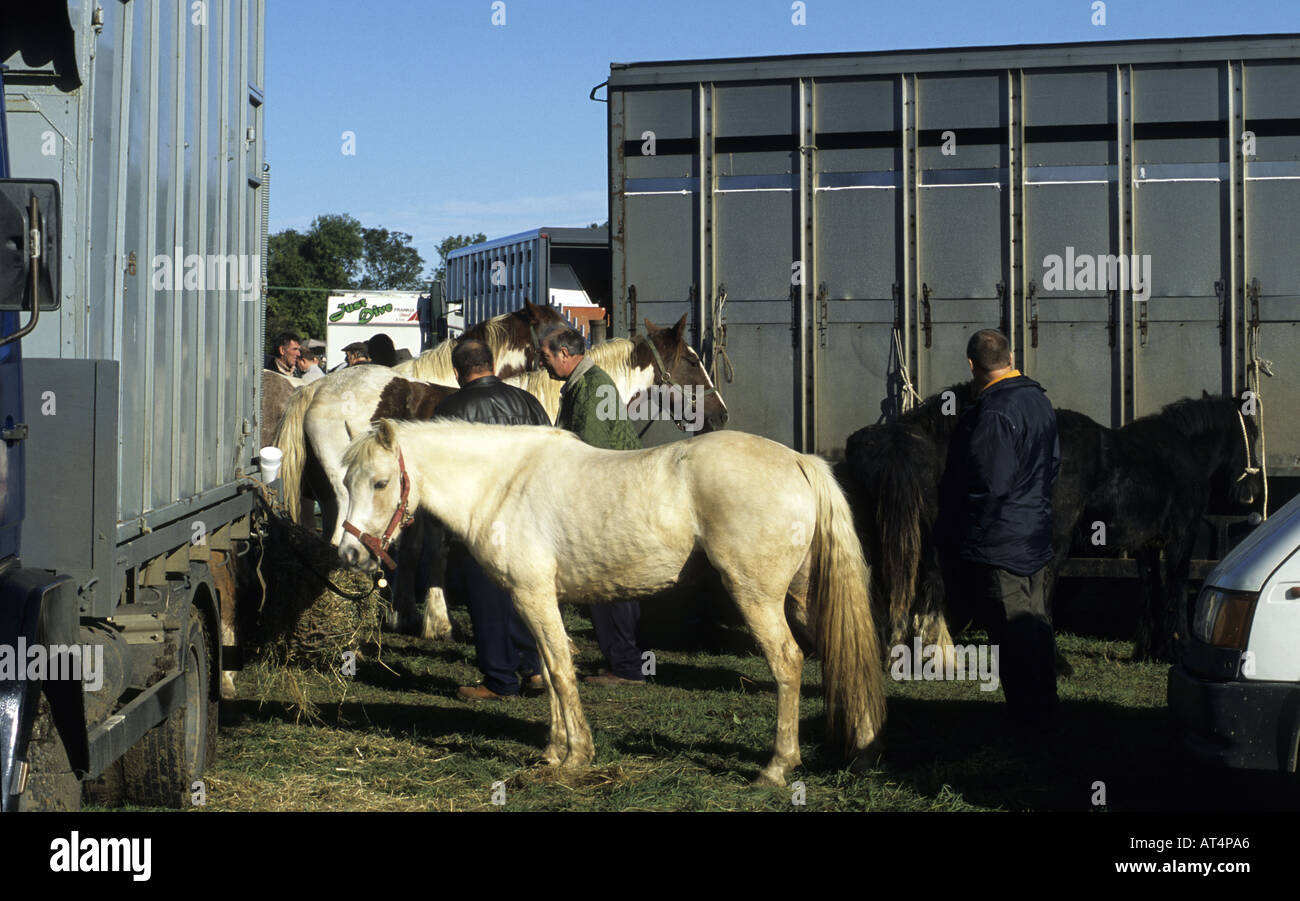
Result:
{"points": [[1236, 695]]}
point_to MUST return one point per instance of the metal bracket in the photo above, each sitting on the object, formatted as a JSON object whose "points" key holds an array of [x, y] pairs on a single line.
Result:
{"points": [[926, 324], [823, 314], [1252, 293], [794, 315], [1221, 291], [631, 302], [1004, 317], [14, 435], [1033, 314], [1112, 301], [1142, 320], [898, 310]]}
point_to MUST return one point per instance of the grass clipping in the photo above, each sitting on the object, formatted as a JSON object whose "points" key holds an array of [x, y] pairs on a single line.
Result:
{"points": [[304, 623]]}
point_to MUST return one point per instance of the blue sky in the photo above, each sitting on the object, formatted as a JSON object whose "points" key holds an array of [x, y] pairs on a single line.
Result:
{"points": [[464, 126]]}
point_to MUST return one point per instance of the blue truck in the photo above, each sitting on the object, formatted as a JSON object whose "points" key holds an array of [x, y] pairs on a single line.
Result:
{"points": [[131, 314]]}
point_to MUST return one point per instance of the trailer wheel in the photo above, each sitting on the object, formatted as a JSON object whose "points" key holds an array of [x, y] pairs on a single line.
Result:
{"points": [[162, 768]]}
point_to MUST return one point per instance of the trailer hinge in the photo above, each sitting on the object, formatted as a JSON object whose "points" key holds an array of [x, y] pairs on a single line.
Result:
{"points": [[1033, 314], [823, 314], [12, 436], [926, 325], [898, 310], [631, 303], [1221, 291], [1113, 303], [1004, 315], [1253, 293]]}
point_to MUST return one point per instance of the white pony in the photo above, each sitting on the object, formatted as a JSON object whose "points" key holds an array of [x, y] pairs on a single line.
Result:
{"points": [[772, 522]]}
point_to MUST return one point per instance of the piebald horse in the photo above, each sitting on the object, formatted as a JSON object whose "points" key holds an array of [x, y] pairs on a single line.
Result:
{"points": [[787, 554], [353, 393]]}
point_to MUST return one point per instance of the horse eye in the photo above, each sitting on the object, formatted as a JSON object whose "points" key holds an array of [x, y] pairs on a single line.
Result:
{"points": [[380, 486]]}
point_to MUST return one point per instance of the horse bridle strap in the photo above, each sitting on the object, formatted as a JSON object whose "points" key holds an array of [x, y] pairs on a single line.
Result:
{"points": [[401, 517], [666, 377]]}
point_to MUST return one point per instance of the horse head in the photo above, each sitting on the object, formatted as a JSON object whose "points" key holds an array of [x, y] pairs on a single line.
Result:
{"points": [[380, 499], [532, 321], [676, 363]]}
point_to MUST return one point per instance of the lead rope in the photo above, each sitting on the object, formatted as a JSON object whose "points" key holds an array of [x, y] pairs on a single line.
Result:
{"points": [[718, 339], [910, 396], [1252, 380]]}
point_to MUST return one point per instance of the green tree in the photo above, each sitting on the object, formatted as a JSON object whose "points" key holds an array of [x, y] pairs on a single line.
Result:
{"points": [[335, 254], [454, 242], [391, 263]]}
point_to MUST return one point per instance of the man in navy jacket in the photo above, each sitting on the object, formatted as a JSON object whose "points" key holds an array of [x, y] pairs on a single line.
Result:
{"points": [[995, 519]]}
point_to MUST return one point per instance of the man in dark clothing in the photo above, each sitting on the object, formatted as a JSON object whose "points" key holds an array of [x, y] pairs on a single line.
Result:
{"points": [[995, 519], [285, 359], [503, 643]]}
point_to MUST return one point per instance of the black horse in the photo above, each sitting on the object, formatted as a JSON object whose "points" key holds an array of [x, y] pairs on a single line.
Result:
{"points": [[1150, 483]]}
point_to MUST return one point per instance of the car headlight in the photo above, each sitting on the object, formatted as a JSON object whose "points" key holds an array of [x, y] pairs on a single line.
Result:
{"points": [[1222, 618]]}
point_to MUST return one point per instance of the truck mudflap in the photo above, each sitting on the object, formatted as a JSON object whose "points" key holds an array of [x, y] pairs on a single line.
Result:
{"points": [[33, 611], [1240, 725]]}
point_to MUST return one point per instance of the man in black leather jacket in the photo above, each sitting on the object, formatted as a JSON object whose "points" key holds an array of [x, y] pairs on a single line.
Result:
{"points": [[503, 643], [995, 519]]}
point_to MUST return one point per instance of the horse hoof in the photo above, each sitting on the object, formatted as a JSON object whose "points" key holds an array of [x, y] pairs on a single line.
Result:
{"points": [[773, 775]]}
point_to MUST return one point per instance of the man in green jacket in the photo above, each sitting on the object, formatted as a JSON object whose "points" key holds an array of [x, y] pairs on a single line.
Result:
{"points": [[585, 386]]}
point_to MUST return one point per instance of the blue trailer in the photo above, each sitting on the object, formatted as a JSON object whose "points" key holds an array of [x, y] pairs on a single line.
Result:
{"points": [[556, 266]]}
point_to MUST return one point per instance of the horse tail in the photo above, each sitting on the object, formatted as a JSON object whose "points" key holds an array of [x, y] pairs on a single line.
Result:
{"points": [[291, 439], [901, 499], [852, 683]]}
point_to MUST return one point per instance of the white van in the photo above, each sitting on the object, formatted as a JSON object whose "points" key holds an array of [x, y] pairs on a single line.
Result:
{"points": [[1236, 695]]}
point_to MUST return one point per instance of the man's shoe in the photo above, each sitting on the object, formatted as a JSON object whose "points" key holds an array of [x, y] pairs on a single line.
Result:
{"points": [[480, 692], [608, 678]]}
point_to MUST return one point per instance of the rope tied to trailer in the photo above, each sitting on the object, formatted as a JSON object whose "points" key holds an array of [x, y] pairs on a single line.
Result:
{"points": [[718, 338], [1252, 383], [910, 396]]}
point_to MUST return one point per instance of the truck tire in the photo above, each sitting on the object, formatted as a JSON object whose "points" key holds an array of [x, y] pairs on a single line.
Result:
{"points": [[51, 784], [160, 771]]}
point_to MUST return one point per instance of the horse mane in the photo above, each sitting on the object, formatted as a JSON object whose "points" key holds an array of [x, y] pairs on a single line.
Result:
{"points": [[362, 447], [435, 363], [1194, 416], [614, 356]]}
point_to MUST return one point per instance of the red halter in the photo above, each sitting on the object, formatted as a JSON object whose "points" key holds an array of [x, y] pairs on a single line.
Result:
{"points": [[379, 546]]}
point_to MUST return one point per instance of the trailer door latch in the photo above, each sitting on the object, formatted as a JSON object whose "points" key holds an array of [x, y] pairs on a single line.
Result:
{"points": [[14, 434]]}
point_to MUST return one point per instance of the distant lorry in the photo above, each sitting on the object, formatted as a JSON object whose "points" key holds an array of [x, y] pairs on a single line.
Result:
{"points": [[131, 316], [567, 268]]}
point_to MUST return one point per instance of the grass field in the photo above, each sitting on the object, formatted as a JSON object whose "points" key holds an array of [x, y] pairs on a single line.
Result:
{"points": [[396, 737]]}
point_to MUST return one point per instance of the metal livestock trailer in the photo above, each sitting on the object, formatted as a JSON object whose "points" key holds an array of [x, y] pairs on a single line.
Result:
{"points": [[558, 266], [141, 393], [851, 218]]}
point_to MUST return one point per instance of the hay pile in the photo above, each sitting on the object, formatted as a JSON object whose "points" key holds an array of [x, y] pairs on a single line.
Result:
{"points": [[303, 621]]}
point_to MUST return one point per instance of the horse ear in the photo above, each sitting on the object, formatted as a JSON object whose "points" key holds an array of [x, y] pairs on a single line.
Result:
{"points": [[534, 311], [650, 327], [680, 328], [384, 432]]}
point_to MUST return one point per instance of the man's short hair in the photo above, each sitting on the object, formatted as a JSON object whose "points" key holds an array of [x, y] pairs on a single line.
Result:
{"points": [[471, 354], [308, 352], [562, 337], [280, 340], [989, 349]]}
